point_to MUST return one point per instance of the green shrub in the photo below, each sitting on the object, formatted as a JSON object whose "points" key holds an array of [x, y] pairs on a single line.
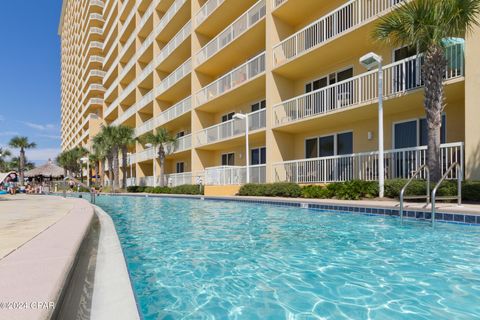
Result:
{"points": [[288, 190], [355, 190], [415, 188], [187, 189], [136, 189], [317, 192], [471, 191]]}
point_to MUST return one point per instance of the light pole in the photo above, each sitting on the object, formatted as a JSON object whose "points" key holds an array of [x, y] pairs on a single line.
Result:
{"points": [[85, 160], [240, 116], [370, 61], [149, 145], [129, 155]]}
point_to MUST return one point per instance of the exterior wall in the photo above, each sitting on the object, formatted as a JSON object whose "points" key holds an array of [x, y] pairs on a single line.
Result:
{"points": [[137, 64]]}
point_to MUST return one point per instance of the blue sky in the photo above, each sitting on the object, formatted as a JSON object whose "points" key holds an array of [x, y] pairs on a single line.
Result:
{"points": [[30, 75]]}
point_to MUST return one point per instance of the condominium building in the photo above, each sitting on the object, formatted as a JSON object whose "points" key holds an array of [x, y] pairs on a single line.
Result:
{"points": [[286, 72]]}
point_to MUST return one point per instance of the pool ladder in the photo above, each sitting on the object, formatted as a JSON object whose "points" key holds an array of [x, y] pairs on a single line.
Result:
{"points": [[434, 197]]}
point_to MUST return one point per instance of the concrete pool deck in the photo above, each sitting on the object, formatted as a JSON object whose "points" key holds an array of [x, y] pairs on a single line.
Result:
{"points": [[53, 246]]}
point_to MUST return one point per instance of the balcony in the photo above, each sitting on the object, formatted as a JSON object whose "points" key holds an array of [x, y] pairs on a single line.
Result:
{"points": [[231, 128], [344, 19], [174, 78], [232, 80], [400, 78], [168, 115], [171, 180], [182, 144], [206, 10], [399, 164], [245, 22], [145, 100], [173, 44], [234, 175]]}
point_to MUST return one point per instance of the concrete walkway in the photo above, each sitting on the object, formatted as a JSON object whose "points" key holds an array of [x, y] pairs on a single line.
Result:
{"points": [[23, 217]]}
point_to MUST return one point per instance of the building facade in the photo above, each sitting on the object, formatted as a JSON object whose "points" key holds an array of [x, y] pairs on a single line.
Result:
{"points": [[286, 70]]}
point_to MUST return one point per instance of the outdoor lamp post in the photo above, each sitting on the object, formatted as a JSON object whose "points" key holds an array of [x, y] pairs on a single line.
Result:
{"points": [[149, 145], [129, 157], [85, 160], [240, 116], [370, 61]]}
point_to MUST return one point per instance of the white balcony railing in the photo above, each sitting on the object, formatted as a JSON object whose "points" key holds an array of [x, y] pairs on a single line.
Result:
{"points": [[231, 128], [178, 39], [234, 175], [182, 144], [338, 22], [171, 113], [206, 10], [174, 77], [178, 179], [146, 99], [399, 78], [233, 79], [399, 164], [278, 3], [233, 31]]}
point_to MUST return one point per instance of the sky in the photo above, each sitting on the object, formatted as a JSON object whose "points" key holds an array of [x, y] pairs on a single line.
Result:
{"points": [[30, 75]]}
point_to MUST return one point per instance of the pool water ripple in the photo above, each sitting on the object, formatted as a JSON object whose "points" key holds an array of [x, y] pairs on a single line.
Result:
{"points": [[191, 259]]}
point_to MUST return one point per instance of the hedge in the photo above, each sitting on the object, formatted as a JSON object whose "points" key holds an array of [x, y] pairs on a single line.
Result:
{"points": [[183, 189], [357, 189]]}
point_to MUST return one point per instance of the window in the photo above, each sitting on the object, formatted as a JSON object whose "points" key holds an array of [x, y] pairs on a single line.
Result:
{"points": [[414, 133], [228, 116], [259, 105], [332, 78], [180, 134], [180, 167], [228, 159], [332, 145], [259, 156]]}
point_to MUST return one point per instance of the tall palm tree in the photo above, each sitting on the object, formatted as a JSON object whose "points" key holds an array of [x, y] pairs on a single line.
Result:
{"points": [[4, 153], [162, 139], [425, 24], [62, 161], [70, 160], [101, 149], [125, 139], [21, 143]]}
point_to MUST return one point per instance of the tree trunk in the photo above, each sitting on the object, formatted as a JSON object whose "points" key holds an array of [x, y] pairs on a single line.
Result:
{"points": [[110, 169], [115, 169], [124, 167], [102, 173], [97, 165], [433, 72], [21, 166], [161, 156]]}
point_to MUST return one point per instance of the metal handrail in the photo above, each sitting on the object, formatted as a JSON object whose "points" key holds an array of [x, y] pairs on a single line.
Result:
{"points": [[459, 187], [404, 189], [92, 191]]}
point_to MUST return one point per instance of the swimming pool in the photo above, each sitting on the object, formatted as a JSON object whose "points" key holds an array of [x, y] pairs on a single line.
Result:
{"points": [[192, 259]]}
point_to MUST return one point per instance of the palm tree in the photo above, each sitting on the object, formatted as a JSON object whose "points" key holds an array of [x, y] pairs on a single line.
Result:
{"points": [[4, 153], [21, 143], [62, 161], [70, 160], [125, 139], [100, 150], [161, 139], [425, 24]]}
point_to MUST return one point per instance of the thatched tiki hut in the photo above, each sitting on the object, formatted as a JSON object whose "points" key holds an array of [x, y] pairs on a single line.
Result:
{"points": [[45, 173]]}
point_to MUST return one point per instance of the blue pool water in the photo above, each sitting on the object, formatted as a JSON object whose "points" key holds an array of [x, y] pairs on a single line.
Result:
{"points": [[191, 259]]}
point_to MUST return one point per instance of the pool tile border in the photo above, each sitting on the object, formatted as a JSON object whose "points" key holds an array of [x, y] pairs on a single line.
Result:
{"points": [[457, 218], [415, 214]]}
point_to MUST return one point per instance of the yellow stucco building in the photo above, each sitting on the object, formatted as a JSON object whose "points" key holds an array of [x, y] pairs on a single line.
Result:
{"points": [[291, 67]]}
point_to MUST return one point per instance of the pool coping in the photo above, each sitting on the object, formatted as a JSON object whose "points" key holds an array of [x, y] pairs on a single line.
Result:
{"points": [[35, 275], [458, 215]]}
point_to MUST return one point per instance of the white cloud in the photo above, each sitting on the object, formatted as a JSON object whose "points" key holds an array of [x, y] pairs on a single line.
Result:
{"points": [[8, 133], [49, 136], [40, 127]]}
